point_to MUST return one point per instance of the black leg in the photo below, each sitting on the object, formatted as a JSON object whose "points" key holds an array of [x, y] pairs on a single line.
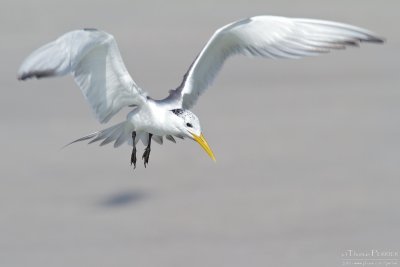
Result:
{"points": [[133, 156], [146, 153]]}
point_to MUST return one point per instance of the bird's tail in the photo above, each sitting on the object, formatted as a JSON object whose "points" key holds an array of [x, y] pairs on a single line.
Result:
{"points": [[119, 134]]}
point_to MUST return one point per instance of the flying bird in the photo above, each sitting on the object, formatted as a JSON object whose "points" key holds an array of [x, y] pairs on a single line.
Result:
{"points": [[93, 58]]}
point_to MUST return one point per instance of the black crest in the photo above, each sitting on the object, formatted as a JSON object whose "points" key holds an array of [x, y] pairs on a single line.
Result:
{"points": [[177, 111]]}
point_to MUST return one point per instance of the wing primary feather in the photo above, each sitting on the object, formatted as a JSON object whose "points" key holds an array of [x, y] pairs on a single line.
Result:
{"points": [[93, 58], [265, 36]]}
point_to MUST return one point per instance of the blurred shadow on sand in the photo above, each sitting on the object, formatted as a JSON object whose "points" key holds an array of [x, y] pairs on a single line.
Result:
{"points": [[121, 199]]}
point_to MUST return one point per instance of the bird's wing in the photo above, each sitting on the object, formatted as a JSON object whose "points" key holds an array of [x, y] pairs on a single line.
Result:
{"points": [[94, 60], [265, 36]]}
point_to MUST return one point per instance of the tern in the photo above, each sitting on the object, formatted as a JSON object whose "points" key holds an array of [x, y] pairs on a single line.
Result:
{"points": [[93, 58]]}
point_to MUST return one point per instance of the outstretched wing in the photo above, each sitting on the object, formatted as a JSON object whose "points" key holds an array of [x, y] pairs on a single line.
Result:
{"points": [[94, 60], [265, 36]]}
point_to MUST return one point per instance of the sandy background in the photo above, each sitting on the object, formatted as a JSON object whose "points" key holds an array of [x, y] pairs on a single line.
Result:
{"points": [[308, 165]]}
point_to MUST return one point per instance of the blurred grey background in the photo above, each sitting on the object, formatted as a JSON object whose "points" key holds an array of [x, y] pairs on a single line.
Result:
{"points": [[308, 151]]}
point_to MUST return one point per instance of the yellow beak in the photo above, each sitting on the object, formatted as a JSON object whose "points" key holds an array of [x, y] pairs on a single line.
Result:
{"points": [[203, 143]]}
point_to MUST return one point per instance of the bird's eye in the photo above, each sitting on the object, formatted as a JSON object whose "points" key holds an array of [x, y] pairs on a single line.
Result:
{"points": [[189, 125]]}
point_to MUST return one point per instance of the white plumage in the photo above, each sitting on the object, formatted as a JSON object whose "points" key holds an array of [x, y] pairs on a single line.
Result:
{"points": [[270, 37], [94, 60]]}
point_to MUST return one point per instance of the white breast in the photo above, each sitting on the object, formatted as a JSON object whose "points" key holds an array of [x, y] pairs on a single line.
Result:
{"points": [[152, 118]]}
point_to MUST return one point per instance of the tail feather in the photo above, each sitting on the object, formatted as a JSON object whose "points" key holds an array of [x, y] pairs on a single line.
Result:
{"points": [[158, 139], [120, 134], [126, 134], [86, 137], [170, 138], [142, 136], [103, 134], [112, 136]]}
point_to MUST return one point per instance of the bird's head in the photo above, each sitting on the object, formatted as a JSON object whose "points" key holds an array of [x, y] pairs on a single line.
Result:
{"points": [[188, 125]]}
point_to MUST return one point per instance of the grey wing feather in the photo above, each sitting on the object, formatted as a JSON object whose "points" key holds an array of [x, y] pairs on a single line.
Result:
{"points": [[93, 58], [264, 36]]}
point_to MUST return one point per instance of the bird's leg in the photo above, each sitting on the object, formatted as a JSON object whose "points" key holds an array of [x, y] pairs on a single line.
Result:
{"points": [[133, 156], [146, 153]]}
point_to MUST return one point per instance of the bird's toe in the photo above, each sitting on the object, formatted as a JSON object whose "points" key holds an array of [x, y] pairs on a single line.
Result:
{"points": [[146, 156]]}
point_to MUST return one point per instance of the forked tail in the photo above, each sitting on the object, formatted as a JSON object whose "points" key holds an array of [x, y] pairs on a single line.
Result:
{"points": [[120, 133]]}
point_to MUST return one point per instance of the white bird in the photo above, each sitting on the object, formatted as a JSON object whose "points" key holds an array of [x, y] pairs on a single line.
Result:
{"points": [[93, 58]]}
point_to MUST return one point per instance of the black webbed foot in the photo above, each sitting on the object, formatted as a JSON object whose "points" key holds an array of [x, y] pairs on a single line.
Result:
{"points": [[146, 154], [133, 156]]}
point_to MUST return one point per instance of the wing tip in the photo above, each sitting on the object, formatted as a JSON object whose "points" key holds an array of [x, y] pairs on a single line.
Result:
{"points": [[25, 76], [91, 29], [376, 40], [22, 76]]}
